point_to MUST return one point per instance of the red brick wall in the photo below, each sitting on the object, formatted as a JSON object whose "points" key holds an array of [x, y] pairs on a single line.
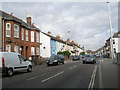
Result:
{"points": [[19, 41]]}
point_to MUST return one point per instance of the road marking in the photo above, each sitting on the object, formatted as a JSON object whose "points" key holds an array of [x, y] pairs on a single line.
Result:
{"points": [[72, 67], [52, 76], [91, 84], [35, 77], [100, 77]]}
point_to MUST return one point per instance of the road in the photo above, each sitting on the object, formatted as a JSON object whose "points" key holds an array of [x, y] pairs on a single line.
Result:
{"points": [[73, 74]]}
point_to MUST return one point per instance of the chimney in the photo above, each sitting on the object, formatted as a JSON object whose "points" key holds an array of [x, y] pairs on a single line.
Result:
{"points": [[49, 32], [58, 36], [68, 40], [28, 19]]}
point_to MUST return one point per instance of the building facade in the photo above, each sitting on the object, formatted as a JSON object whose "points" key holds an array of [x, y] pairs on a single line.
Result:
{"points": [[45, 45], [19, 36]]}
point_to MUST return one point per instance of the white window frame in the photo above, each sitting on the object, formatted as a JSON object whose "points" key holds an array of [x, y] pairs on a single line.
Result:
{"points": [[8, 30], [9, 50], [32, 36], [26, 35], [22, 34], [37, 36], [16, 48], [32, 50], [16, 31], [37, 50]]}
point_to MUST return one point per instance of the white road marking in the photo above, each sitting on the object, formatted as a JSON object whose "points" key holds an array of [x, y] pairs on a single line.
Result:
{"points": [[91, 84], [72, 67], [100, 77], [52, 76], [35, 77]]}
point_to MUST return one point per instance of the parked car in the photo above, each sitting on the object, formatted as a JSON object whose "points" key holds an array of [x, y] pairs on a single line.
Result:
{"points": [[11, 62], [55, 60], [89, 59], [75, 58], [105, 56]]}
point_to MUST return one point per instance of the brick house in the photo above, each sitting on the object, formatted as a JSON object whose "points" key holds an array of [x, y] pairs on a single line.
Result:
{"points": [[19, 36]]}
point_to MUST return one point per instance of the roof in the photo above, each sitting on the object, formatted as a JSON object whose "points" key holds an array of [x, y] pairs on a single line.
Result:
{"points": [[10, 17]]}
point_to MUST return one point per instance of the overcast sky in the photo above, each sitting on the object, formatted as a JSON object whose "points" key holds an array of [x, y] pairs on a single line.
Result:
{"points": [[87, 22]]}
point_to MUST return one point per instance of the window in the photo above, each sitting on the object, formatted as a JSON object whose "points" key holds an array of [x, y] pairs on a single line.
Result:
{"points": [[37, 36], [22, 34], [32, 36], [16, 48], [113, 41], [8, 48], [32, 51], [26, 35], [8, 26], [16, 31], [37, 50], [21, 58]]}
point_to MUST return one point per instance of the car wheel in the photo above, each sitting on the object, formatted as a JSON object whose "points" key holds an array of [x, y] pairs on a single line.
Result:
{"points": [[83, 62], [48, 64], [10, 72], [29, 69]]}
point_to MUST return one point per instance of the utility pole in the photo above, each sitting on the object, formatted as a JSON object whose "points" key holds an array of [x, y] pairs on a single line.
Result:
{"points": [[110, 25]]}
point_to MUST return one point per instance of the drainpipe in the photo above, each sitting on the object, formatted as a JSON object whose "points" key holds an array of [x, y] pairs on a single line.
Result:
{"points": [[3, 34]]}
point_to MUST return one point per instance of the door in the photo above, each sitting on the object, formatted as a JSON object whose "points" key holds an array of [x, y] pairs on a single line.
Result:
{"points": [[23, 64]]}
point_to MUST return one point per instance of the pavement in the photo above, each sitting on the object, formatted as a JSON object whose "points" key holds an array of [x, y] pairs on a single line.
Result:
{"points": [[72, 74]]}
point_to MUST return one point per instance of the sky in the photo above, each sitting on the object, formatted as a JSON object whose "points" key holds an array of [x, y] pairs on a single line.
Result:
{"points": [[87, 22]]}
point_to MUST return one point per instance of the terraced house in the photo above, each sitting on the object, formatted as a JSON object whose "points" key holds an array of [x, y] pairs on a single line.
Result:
{"points": [[19, 36]]}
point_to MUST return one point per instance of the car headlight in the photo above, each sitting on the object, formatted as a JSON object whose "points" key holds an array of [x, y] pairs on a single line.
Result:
{"points": [[92, 59], [55, 61], [47, 61]]}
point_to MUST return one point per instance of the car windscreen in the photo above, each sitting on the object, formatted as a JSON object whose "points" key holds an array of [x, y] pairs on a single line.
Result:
{"points": [[53, 57]]}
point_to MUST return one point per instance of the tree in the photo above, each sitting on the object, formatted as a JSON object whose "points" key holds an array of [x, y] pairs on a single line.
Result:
{"points": [[66, 53], [82, 53]]}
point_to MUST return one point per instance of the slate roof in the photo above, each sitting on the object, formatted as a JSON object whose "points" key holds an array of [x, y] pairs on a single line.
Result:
{"points": [[10, 17]]}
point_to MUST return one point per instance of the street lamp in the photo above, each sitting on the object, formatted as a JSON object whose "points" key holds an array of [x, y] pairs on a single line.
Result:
{"points": [[67, 38], [110, 25]]}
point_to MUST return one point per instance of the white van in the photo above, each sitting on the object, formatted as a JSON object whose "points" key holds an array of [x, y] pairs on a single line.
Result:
{"points": [[11, 62]]}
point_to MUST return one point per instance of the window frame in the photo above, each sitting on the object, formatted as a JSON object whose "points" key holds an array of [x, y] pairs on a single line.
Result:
{"points": [[37, 36], [16, 48], [32, 36], [9, 48], [8, 30], [37, 51], [32, 50], [16, 30], [26, 35], [22, 33]]}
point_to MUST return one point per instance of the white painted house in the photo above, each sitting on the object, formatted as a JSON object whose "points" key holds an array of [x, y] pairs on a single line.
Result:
{"points": [[44, 45]]}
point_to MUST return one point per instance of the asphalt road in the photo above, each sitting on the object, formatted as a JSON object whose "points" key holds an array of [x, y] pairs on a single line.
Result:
{"points": [[73, 74]]}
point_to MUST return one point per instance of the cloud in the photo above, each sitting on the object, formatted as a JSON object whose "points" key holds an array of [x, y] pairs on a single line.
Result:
{"points": [[87, 21]]}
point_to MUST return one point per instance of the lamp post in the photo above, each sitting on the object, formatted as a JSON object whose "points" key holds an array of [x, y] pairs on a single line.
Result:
{"points": [[110, 25], [68, 38]]}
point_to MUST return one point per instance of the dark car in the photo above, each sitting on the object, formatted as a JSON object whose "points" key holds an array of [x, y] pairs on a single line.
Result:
{"points": [[75, 58], [89, 59], [55, 60]]}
